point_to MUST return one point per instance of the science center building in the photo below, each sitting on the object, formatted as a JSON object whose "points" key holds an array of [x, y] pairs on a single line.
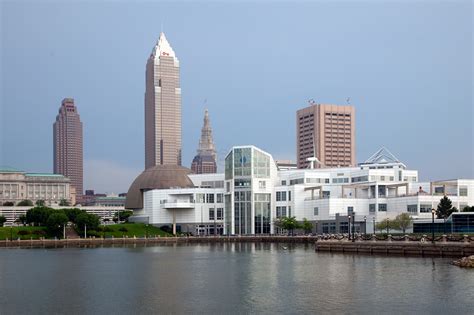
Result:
{"points": [[252, 193]]}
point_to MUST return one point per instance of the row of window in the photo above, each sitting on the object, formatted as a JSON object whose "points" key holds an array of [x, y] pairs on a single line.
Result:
{"points": [[209, 198], [281, 195], [216, 216]]}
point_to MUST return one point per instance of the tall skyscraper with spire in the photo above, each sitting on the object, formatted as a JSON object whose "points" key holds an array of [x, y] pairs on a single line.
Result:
{"points": [[205, 160], [68, 154], [162, 106]]}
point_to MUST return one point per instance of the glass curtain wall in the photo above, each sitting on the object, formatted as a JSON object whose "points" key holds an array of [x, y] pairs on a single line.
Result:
{"points": [[262, 213], [243, 212]]}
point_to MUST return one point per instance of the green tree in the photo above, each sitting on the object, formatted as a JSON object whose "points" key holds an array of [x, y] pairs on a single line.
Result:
{"points": [[307, 226], [445, 208], [38, 215], [289, 224], [22, 219], [8, 204], [402, 222], [25, 203], [384, 224], [39, 203], [468, 209], [86, 219], [64, 203], [56, 222], [124, 215], [72, 213], [2, 220]]}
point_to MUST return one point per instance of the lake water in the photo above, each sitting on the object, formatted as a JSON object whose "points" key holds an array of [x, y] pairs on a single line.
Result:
{"points": [[227, 278]]}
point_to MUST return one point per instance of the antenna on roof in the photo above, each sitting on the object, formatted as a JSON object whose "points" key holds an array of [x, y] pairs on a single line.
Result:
{"points": [[348, 100]]}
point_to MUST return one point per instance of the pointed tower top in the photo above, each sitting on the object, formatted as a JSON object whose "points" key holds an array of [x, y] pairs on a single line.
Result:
{"points": [[163, 47]]}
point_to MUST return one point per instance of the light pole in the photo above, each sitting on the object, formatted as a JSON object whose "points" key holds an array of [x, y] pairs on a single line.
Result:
{"points": [[373, 222], [432, 225], [365, 226], [349, 227], [85, 230], [388, 223]]}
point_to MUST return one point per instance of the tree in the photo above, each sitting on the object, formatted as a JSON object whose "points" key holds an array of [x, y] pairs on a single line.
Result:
{"points": [[124, 215], [402, 222], [2, 220], [39, 203], [56, 222], [289, 224], [38, 215], [468, 209], [8, 204], [22, 219], [384, 225], [25, 203], [72, 213], [445, 208], [307, 226], [86, 219], [64, 203]]}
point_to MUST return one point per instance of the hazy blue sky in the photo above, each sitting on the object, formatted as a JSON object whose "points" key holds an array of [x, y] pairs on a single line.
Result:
{"points": [[407, 67]]}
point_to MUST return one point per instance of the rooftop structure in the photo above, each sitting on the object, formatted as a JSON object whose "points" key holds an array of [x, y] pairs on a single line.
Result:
{"points": [[205, 160]]}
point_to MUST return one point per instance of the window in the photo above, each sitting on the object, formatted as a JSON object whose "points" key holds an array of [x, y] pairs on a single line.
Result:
{"points": [[239, 183], [425, 208], [220, 198], [315, 211], [372, 207], [281, 212], [281, 196], [220, 214], [283, 182], [289, 195], [412, 209], [211, 214], [261, 184], [350, 210], [382, 207], [209, 198], [200, 198], [463, 191], [278, 196]]}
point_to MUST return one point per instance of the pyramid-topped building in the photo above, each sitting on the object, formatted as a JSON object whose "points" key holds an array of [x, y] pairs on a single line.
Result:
{"points": [[205, 160]]}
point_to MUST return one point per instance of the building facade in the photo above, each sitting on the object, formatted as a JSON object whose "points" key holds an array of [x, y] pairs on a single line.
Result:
{"points": [[205, 160], [253, 194], [68, 145], [326, 132], [162, 106], [16, 185]]}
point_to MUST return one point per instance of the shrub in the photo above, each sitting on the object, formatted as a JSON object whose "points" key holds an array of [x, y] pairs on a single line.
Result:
{"points": [[108, 229], [123, 229], [23, 232], [39, 232], [93, 233]]}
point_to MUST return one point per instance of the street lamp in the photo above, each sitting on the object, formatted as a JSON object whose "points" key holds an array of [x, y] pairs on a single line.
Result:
{"points": [[373, 222], [365, 226], [349, 227], [432, 225]]}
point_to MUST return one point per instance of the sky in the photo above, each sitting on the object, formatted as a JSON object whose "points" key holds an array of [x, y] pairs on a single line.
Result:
{"points": [[405, 65]]}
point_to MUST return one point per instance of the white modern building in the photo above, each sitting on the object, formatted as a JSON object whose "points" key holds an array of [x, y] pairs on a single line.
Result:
{"points": [[252, 193]]}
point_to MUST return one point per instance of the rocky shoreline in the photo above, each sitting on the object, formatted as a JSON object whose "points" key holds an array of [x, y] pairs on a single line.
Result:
{"points": [[465, 262]]}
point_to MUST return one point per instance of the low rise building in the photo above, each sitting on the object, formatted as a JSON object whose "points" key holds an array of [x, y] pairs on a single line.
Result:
{"points": [[252, 194], [16, 185]]}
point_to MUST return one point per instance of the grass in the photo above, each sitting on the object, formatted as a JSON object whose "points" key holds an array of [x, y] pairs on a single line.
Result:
{"points": [[133, 229], [5, 232]]}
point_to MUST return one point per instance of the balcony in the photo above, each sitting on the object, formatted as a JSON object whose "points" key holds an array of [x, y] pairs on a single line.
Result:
{"points": [[178, 204]]}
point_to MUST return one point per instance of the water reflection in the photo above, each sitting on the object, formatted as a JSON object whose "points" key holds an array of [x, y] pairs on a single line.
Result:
{"points": [[226, 278]]}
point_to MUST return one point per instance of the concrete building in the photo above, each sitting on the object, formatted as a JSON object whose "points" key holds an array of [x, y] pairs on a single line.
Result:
{"points": [[68, 152], [326, 132], [205, 160], [253, 193], [16, 185], [162, 106]]}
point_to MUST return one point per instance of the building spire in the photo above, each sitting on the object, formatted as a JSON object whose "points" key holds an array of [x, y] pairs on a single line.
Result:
{"points": [[206, 143]]}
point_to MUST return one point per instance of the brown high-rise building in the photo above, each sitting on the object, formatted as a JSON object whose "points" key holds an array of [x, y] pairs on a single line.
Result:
{"points": [[326, 132], [162, 106], [68, 155], [205, 160]]}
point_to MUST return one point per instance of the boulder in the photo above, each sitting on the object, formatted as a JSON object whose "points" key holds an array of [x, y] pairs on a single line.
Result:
{"points": [[465, 262]]}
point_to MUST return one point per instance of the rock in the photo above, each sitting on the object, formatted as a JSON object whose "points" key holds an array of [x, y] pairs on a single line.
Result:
{"points": [[465, 262]]}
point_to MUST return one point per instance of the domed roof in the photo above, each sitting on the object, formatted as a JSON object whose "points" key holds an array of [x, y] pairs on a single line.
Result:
{"points": [[157, 177]]}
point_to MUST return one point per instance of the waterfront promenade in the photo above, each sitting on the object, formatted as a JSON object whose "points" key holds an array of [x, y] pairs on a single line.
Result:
{"points": [[408, 246]]}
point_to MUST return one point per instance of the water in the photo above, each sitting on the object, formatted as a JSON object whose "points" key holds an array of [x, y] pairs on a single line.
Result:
{"points": [[227, 278]]}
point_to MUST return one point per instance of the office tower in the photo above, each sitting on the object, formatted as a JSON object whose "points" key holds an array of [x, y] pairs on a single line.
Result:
{"points": [[162, 106], [205, 160], [68, 156], [326, 132]]}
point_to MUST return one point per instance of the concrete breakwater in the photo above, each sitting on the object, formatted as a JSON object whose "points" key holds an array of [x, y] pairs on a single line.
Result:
{"points": [[397, 248], [91, 242]]}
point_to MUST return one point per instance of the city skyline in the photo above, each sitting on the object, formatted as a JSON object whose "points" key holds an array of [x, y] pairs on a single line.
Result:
{"points": [[401, 99]]}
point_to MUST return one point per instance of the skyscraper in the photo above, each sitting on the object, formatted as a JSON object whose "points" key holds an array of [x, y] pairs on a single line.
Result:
{"points": [[162, 106], [205, 160], [68, 154], [326, 132]]}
